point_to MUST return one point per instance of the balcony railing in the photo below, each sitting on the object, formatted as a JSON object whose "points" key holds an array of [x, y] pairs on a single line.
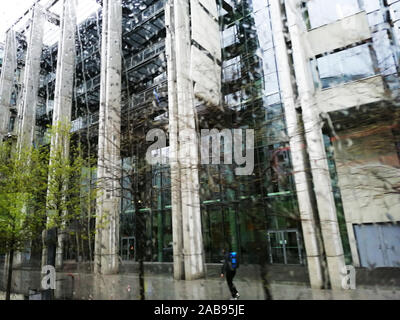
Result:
{"points": [[88, 52], [84, 122], [155, 92], [145, 15], [141, 17], [88, 85], [144, 55], [130, 63]]}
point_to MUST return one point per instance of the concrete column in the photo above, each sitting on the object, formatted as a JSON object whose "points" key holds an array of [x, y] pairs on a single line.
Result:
{"points": [[63, 93], [174, 146], [20, 81], [7, 81], [304, 191], [109, 159], [30, 86], [188, 239], [65, 65], [176, 201], [188, 147], [315, 147]]}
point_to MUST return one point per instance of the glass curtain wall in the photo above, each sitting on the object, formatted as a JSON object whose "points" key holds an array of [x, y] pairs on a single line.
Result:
{"points": [[244, 211], [146, 199], [236, 211]]}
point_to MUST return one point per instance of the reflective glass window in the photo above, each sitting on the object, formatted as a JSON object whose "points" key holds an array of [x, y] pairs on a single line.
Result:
{"points": [[229, 36], [345, 66], [231, 69], [323, 12]]}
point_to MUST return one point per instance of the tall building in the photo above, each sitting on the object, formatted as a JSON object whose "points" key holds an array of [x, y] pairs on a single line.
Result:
{"points": [[317, 81]]}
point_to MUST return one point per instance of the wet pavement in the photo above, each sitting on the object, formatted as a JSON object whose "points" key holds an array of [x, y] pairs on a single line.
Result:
{"points": [[164, 287]]}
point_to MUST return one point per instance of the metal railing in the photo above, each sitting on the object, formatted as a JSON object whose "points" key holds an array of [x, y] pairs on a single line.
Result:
{"points": [[88, 85], [144, 55], [145, 15], [158, 90], [129, 63], [141, 17], [84, 122], [87, 53]]}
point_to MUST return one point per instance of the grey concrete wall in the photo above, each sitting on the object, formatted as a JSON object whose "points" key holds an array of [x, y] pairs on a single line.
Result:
{"points": [[368, 171]]}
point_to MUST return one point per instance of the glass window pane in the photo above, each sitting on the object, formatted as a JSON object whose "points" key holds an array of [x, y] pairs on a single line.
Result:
{"points": [[345, 66], [323, 12], [229, 36], [276, 241]]}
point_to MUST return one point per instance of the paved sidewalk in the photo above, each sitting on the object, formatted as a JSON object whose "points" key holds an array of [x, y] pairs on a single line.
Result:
{"points": [[285, 292], [163, 287], [13, 296]]}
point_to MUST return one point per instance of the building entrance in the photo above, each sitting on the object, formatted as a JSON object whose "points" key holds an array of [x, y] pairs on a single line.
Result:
{"points": [[128, 248], [285, 246], [219, 230]]}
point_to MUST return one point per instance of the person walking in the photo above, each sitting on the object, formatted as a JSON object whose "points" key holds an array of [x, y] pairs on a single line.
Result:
{"points": [[229, 267]]}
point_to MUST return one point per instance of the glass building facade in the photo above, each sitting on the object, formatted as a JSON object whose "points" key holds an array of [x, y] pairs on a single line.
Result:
{"points": [[256, 215], [253, 215], [252, 212]]}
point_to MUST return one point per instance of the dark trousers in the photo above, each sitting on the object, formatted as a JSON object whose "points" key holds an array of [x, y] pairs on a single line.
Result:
{"points": [[229, 279]]}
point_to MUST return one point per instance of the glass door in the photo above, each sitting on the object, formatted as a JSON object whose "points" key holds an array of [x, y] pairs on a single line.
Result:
{"points": [[276, 247], [293, 250], [128, 248], [285, 247]]}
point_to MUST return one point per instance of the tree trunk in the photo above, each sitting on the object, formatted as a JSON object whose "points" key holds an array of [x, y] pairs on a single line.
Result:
{"points": [[9, 274], [88, 222], [140, 239], [78, 251], [263, 261], [51, 243], [140, 252], [141, 279]]}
